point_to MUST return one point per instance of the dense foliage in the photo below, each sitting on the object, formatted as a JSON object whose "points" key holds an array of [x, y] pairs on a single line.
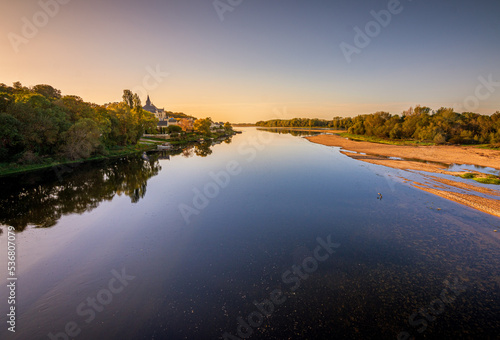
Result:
{"points": [[420, 123], [39, 123]]}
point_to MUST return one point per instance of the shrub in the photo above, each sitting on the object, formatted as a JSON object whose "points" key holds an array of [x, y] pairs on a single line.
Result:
{"points": [[29, 157]]}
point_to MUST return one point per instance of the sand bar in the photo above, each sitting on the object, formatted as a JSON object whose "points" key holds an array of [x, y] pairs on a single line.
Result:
{"points": [[448, 154], [440, 156]]}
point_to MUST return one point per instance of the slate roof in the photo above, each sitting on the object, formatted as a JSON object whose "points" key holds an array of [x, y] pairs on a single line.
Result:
{"points": [[149, 106]]}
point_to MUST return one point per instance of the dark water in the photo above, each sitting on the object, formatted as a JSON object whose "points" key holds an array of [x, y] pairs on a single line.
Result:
{"points": [[181, 247]]}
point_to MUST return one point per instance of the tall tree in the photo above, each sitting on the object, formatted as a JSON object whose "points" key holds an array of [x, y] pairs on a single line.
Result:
{"points": [[81, 140], [137, 105], [128, 98], [47, 91], [203, 126]]}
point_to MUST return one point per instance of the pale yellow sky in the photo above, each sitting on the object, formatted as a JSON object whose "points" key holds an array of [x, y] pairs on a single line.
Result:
{"points": [[255, 63]]}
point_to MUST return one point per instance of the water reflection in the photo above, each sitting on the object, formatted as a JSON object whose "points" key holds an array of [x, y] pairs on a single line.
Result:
{"points": [[203, 149], [291, 132], [42, 198], [394, 258]]}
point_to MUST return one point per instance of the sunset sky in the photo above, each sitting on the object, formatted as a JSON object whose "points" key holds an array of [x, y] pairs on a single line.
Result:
{"points": [[264, 60]]}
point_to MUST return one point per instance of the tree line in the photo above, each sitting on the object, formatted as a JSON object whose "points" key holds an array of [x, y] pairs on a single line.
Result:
{"points": [[39, 124], [420, 123]]}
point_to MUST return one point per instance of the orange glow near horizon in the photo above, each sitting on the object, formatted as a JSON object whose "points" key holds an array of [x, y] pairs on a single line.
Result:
{"points": [[256, 65]]}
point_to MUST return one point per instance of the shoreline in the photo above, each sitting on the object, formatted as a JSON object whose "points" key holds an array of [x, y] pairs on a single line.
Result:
{"points": [[447, 154], [37, 167], [417, 158], [144, 144]]}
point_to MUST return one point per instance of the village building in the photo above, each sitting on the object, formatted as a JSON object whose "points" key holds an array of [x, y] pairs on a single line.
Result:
{"points": [[159, 113], [164, 120]]}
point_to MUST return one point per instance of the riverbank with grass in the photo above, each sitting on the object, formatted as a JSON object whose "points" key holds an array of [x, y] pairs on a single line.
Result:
{"points": [[15, 168], [144, 144], [372, 139]]}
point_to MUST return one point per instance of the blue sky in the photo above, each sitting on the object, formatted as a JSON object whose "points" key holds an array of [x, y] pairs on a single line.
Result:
{"points": [[265, 60]]}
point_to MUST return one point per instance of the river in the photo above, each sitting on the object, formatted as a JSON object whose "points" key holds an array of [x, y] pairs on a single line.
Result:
{"points": [[264, 236]]}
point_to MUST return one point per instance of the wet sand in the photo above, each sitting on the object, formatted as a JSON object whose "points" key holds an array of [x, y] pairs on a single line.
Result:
{"points": [[414, 157]]}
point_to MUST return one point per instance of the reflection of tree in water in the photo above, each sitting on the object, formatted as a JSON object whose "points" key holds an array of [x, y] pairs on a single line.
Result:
{"points": [[42, 198], [203, 149], [292, 132], [188, 151], [199, 149]]}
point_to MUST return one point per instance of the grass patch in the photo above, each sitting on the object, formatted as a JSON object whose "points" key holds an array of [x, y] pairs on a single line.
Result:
{"points": [[488, 180], [372, 139], [488, 147], [162, 140]]}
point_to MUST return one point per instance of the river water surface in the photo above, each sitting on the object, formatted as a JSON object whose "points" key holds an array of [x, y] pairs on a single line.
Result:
{"points": [[266, 236]]}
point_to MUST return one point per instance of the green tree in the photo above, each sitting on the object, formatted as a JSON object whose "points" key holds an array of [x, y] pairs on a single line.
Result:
{"points": [[137, 105], [228, 127], [76, 107], [124, 124], [42, 123], [6, 99], [10, 136], [396, 132], [81, 140], [128, 98], [174, 129], [203, 126], [47, 91]]}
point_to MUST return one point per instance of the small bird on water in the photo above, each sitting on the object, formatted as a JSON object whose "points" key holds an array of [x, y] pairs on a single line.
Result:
{"points": [[379, 196]]}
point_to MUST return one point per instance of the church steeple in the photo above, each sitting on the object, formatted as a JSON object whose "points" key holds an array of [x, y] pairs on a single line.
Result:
{"points": [[148, 101]]}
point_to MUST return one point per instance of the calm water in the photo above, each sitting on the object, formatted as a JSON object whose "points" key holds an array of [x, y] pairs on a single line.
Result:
{"points": [[181, 247]]}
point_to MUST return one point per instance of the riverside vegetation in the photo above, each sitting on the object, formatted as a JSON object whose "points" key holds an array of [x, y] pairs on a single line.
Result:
{"points": [[39, 127], [419, 124]]}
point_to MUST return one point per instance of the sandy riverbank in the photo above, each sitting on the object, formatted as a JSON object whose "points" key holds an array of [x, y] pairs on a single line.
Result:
{"points": [[447, 154], [440, 156]]}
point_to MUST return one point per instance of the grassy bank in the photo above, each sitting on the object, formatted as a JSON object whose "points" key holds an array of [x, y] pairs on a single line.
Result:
{"points": [[371, 139], [14, 168], [146, 143], [485, 179], [488, 147]]}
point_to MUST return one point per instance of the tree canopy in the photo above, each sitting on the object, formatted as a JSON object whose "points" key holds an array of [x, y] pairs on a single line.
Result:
{"points": [[420, 123], [39, 122], [203, 126]]}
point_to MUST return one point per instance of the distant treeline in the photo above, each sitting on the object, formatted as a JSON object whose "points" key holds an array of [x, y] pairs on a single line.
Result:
{"points": [[38, 123], [420, 123], [177, 115]]}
